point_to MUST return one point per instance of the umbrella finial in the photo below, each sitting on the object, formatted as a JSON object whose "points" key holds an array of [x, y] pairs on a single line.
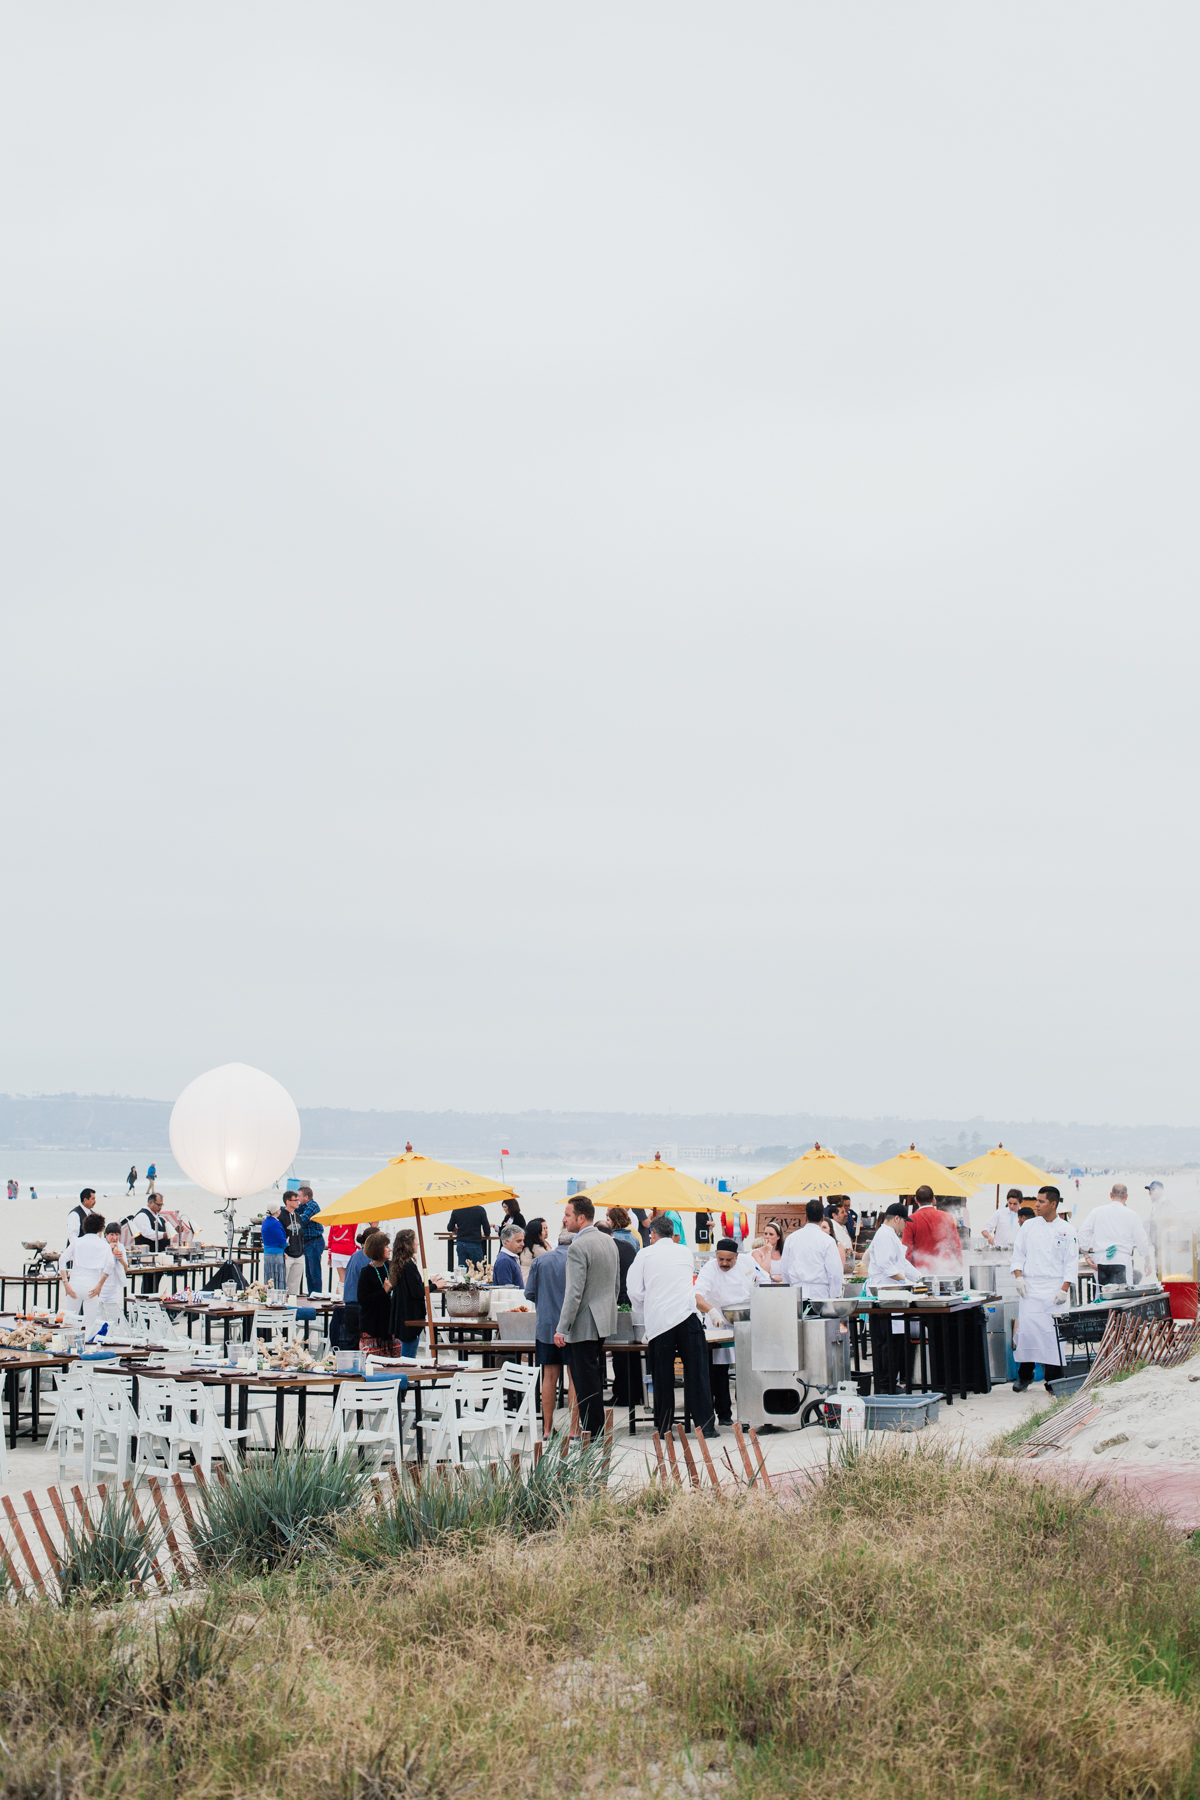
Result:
{"points": [[408, 1149], [658, 1156], [912, 1146], [817, 1145]]}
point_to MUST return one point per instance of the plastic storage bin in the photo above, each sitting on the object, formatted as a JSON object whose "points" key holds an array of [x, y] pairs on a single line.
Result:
{"points": [[901, 1412]]}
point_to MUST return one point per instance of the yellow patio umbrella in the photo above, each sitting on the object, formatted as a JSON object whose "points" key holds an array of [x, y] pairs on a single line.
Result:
{"points": [[818, 1171], [1000, 1165], [912, 1169], [412, 1187], [657, 1187]]}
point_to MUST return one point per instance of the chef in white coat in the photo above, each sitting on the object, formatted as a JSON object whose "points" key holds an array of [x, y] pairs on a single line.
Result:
{"points": [[887, 1259], [811, 1260], [1001, 1229], [1045, 1261], [725, 1280], [1111, 1235]]}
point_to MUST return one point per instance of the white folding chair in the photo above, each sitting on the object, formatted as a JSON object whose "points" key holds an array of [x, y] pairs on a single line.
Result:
{"points": [[273, 1326], [68, 1434], [472, 1414], [524, 1420], [378, 1404], [110, 1425], [175, 1416]]}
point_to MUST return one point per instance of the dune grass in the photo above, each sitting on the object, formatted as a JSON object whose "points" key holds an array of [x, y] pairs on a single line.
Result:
{"points": [[913, 1626]]}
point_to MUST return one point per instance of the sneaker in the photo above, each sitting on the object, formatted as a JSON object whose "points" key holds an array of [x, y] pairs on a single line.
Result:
{"points": [[1019, 1387]]}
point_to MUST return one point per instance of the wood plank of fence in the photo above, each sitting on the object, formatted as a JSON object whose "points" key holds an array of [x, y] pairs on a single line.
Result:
{"points": [[184, 1507], [22, 1545], [762, 1462], [662, 1461], [740, 1441], [86, 1525], [39, 1525], [138, 1520], [171, 1541], [10, 1569], [686, 1448], [60, 1513], [709, 1463], [673, 1459]]}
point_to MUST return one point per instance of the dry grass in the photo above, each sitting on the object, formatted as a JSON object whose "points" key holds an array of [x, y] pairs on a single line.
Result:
{"points": [[916, 1627]]}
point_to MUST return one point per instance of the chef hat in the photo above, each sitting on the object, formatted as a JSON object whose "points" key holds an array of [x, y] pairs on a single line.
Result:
{"points": [[728, 1244]]}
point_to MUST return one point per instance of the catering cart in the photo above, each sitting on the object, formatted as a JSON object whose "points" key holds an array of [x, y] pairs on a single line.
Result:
{"points": [[782, 1348]]}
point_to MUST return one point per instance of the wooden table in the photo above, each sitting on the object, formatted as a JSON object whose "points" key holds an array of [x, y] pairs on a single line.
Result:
{"points": [[240, 1309], [49, 1279], [14, 1363], [246, 1382], [197, 1266]]}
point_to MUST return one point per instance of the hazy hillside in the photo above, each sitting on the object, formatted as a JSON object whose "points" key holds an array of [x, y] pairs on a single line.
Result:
{"points": [[93, 1121]]}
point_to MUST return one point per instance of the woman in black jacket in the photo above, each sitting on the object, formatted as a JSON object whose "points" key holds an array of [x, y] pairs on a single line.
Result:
{"points": [[408, 1293], [375, 1299]]}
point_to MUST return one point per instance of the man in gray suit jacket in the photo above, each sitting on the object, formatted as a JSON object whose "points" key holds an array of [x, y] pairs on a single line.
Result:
{"points": [[589, 1308]]}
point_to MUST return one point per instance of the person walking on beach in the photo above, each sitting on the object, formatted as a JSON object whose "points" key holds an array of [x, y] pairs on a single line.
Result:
{"points": [[132, 1177], [151, 1178]]}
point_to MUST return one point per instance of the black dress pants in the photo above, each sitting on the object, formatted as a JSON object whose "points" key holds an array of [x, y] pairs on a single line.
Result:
{"points": [[1050, 1371], [586, 1362], [718, 1376], [687, 1342]]}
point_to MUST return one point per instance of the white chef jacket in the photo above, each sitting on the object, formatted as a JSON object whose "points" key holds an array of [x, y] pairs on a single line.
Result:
{"points": [[1046, 1255], [1003, 1227], [812, 1262], [660, 1281], [726, 1287], [1112, 1233], [887, 1259]]}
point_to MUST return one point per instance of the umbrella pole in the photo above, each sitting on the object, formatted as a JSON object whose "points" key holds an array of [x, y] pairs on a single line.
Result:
{"points": [[425, 1285]]}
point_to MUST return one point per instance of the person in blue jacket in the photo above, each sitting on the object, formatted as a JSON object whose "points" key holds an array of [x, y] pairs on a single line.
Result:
{"points": [[274, 1243]]}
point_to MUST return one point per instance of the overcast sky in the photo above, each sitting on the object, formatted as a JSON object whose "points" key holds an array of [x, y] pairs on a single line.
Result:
{"points": [[631, 556]]}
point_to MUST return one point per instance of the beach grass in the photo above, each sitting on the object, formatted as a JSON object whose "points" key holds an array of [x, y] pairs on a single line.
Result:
{"points": [[909, 1624]]}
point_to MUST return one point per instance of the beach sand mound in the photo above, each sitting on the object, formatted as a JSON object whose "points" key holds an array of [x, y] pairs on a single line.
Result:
{"points": [[1150, 1417]]}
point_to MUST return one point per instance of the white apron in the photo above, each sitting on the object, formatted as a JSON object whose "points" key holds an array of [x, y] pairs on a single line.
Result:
{"points": [[1037, 1335]]}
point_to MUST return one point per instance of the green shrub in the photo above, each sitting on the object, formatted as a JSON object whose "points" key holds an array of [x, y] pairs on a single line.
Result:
{"points": [[105, 1563], [468, 1502], [268, 1514]]}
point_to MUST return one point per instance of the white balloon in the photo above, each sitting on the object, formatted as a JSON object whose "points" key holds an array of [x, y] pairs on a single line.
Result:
{"points": [[234, 1130]]}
